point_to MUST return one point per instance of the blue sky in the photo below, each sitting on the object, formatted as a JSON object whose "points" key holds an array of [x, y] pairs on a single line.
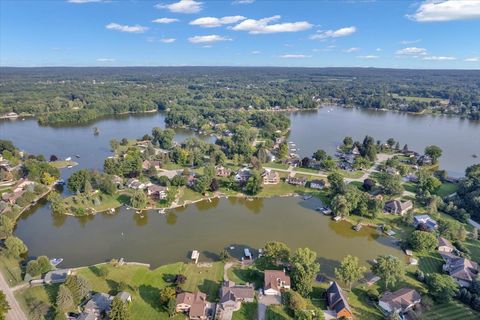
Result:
{"points": [[368, 33]]}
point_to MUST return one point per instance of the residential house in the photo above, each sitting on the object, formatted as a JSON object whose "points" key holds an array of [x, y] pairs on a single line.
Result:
{"points": [[124, 296], [297, 181], [392, 171], [337, 303], [223, 172], [398, 207], [425, 219], [195, 305], [317, 184], [192, 177], [400, 301], [133, 183], [157, 192], [463, 270], [232, 295], [118, 181], [147, 164], [275, 281], [445, 246], [243, 175], [271, 177], [98, 305], [56, 276], [12, 197], [22, 184]]}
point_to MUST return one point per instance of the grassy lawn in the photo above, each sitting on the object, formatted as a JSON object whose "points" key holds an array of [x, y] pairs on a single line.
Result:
{"points": [[451, 311], [430, 262], [11, 271], [205, 279], [351, 174], [419, 99], [410, 186], [187, 194], [276, 312], [106, 202], [63, 164], [446, 189], [248, 311], [243, 275], [38, 300], [474, 247], [280, 189], [362, 307], [308, 170], [277, 165]]}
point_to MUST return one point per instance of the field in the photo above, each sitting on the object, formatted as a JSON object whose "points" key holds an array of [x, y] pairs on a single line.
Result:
{"points": [[11, 270], [419, 99], [446, 189], [451, 311], [430, 262], [247, 311]]}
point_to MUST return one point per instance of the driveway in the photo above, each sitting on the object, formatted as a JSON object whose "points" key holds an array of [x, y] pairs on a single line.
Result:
{"points": [[264, 302]]}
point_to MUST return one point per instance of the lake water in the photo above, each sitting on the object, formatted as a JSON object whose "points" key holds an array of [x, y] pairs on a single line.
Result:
{"points": [[209, 227]]}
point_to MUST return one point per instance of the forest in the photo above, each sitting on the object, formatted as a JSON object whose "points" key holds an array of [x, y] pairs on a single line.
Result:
{"points": [[62, 95]]}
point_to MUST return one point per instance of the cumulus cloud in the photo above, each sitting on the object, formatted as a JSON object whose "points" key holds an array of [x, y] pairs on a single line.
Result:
{"points": [[165, 20], [438, 11], [472, 59], [126, 28], [294, 56], [349, 50], [183, 6], [342, 32], [208, 39], [105, 60], [368, 57], [378, 49], [439, 58], [265, 25], [211, 22], [412, 51]]}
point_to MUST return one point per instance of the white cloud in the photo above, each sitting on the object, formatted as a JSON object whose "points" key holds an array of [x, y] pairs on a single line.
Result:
{"points": [[439, 58], [263, 26], [294, 56], [167, 40], [406, 42], [83, 1], [183, 6], [255, 52], [472, 59], [342, 32], [412, 51], [105, 60], [126, 28], [211, 22], [369, 57], [349, 50], [378, 49], [208, 39], [243, 1], [437, 11], [165, 20]]}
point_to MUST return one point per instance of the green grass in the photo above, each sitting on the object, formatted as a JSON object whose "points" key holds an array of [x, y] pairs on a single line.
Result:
{"points": [[205, 279], [410, 186], [276, 312], [446, 189], [419, 99], [281, 188], [276, 165], [351, 174], [451, 311], [38, 300], [63, 163], [188, 195], [248, 311], [243, 275], [11, 270], [107, 202], [474, 247], [307, 170], [362, 307], [430, 262]]}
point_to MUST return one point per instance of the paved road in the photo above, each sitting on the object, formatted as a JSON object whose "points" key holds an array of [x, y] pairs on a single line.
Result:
{"points": [[15, 312], [264, 302]]}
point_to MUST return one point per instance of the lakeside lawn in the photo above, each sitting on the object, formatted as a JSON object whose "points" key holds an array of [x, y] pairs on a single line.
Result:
{"points": [[276, 312], [474, 247], [276, 165], [106, 201], [306, 170], [430, 262], [60, 164], [446, 189]]}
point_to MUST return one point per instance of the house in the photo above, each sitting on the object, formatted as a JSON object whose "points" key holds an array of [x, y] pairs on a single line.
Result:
{"points": [[398, 207], [22, 185], [400, 301], [297, 181], [56, 276], [271, 177], [463, 270], [317, 184], [426, 220], [411, 177], [243, 175], [337, 302], [98, 305], [147, 164], [195, 305], [270, 156], [232, 295], [12, 197], [118, 181], [135, 184], [157, 192], [392, 171], [445, 246], [124, 296], [355, 151], [223, 172], [192, 177], [275, 281]]}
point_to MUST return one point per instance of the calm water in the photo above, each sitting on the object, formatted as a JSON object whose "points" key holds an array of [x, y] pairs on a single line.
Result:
{"points": [[209, 227]]}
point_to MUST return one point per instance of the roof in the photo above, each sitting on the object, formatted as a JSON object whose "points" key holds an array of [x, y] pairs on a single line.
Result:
{"points": [[58, 275], [191, 298], [124, 296], [232, 292], [274, 279], [401, 299], [156, 188], [462, 269], [442, 242], [99, 302], [271, 174], [398, 205], [336, 299], [321, 182]]}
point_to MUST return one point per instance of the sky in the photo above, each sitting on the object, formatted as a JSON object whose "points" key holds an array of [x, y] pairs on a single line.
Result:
{"points": [[441, 34]]}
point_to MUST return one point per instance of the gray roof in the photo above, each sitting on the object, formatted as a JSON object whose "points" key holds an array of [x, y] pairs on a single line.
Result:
{"points": [[232, 292], [336, 299], [100, 302], [124, 296], [56, 276]]}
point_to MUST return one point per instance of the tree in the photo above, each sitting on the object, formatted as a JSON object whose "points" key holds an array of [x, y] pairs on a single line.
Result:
{"points": [[6, 226], [350, 271], [224, 255], [337, 186], [427, 182], [202, 184], [341, 206], [33, 268], [294, 301], [44, 264], [347, 141], [15, 247], [166, 294], [433, 152], [276, 251], [254, 183], [77, 181], [64, 300], [119, 310], [114, 144], [368, 184], [320, 155], [171, 307], [304, 270], [441, 287], [78, 286], [283, 151], [138, 199], [422, 241], [389, 268], [391, 142], [4, 307], [391, 184]]}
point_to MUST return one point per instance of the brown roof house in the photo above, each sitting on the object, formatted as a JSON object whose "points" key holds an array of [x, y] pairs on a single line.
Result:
{"points": [[195, 305], [157, 192], [400, 301], [223, 172], [338, 306], [445, 246], [463, 270], [297, 181], [232, 295], [275, 282], [147, 164], [271, 177], [398, 207]]}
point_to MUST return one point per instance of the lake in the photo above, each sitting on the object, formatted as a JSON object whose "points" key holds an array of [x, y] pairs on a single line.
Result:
{"points": [[209, 227]]}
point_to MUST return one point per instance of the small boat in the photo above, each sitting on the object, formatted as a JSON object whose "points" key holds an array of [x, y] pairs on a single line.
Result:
{"points": [[161, 211], [68, 159], [77, 156], [61, 182], [56, 261], [232, 248], [337, 218], [69, 167], [307, 197]]}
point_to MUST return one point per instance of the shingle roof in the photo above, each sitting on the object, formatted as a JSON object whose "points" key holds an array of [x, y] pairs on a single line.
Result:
{"points": [[336, 299], [401, 299]]}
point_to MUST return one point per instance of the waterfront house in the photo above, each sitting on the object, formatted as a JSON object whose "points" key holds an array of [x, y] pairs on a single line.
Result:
{"points": [[157, 192], [317, 184], [98, 305], [275, 281], [12, 197], [243, 175], [297, 181], [445, 246], [337, 303], [398, 207], [232, 295], [195, 305], [392, 171], [270, 177], [118, 181], [56, 276], [463, 270], [133, 183], [147, 164], [22, 184], [400, 301], [425, 219], [223, 172]]}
